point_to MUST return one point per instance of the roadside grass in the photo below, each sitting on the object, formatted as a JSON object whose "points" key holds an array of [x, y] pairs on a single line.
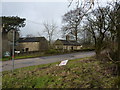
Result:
{"points": [[78, 73], [22, 57], [50, 52]]}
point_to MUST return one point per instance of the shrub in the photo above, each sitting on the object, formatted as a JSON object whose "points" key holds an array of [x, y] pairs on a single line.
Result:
{"points": [[52, 51], [117, 82]]}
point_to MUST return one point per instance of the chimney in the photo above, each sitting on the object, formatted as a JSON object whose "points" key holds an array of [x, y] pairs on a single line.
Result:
{"points": [[67, 37]]}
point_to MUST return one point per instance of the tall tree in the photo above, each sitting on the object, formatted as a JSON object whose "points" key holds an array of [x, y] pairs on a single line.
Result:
{"points": [[10, 23], [50, 29], [98, 25], [73, 18], [13, 22], [71, 22], [115, 32], [86, 5], [115, 25]]}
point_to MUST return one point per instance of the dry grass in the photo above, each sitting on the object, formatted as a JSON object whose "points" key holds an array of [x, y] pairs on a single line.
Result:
{"points": [[79, 73]]}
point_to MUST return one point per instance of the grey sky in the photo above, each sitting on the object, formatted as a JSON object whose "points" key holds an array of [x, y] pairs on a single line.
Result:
{"points": [[36, 13]]}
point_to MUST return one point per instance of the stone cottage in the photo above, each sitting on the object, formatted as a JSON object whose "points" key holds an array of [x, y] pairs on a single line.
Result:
{"points": [[31, 44], [67, 44]]}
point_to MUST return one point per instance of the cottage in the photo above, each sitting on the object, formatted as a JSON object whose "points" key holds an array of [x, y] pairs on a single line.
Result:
{"points": [[30, 44], [67, 45]]}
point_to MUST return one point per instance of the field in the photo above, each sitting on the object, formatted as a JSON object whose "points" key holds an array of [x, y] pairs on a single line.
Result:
{"points": [[79, 73]]}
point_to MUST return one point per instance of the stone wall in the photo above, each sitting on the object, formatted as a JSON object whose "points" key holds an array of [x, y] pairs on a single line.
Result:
{"points": [[67, 47], [43, 45], [32, 46]]}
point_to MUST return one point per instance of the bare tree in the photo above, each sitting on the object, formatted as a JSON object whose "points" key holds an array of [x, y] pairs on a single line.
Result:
{"points": [[73, 18], [71, 22], [84, 5], [115, 25], [50, 29], [99, 26], [115, 33]]}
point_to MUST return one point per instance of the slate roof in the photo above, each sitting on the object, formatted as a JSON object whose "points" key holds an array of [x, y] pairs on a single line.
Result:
{"points": [[69, 42], [31, 39]]}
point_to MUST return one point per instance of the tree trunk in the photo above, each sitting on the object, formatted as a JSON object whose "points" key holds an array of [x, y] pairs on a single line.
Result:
{"points": [[76, 33], [97, 53], [98, 47], [118, 48], [118, 40]]}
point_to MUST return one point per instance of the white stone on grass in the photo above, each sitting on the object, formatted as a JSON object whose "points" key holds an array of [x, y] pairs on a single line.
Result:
{"points": [[63, 63]]}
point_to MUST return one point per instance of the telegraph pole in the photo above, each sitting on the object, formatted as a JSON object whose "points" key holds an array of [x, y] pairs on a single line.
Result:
{"points": [[13, 55]]}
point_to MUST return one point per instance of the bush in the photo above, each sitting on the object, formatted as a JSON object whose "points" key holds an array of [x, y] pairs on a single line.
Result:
{"points": [[117, 82], [52, 51], [85, 49]]}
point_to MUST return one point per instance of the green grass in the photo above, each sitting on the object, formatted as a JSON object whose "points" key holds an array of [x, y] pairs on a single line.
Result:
{"points": [[50, 52], [22, 57], [79, 73]]}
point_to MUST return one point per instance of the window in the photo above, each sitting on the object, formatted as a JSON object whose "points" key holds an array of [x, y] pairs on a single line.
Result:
{"points": [[22, 50], [71, 48], [27, 49]]}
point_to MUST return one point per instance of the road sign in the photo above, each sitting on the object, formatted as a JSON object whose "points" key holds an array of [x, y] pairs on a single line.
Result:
{"points": [[7, 54]]}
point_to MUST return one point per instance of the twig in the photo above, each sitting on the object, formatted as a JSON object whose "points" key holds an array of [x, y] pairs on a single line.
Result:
{"points": [[108, 55]]}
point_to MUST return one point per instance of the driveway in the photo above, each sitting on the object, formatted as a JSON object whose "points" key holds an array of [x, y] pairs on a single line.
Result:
{"points": [[7, 65]]}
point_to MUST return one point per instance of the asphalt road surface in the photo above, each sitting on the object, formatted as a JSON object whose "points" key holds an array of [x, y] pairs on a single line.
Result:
{"points": [[7, 65]]}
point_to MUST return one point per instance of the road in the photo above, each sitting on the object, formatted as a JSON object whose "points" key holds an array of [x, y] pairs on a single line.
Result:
{"points": [[7, 65]]}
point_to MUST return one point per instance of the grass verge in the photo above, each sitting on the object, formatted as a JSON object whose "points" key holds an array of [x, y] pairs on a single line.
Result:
{"points": [[48, 53], [78, 73]]}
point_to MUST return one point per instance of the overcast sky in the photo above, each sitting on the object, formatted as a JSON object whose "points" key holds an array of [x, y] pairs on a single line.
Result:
{"points": [[36, 13]]}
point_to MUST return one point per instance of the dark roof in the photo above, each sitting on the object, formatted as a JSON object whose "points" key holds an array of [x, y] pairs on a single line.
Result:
{"points": [[31, 39], [69, 42]]}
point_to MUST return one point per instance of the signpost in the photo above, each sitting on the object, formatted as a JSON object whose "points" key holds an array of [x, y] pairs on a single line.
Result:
{"points": [[13, 37], [13, 49]]}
